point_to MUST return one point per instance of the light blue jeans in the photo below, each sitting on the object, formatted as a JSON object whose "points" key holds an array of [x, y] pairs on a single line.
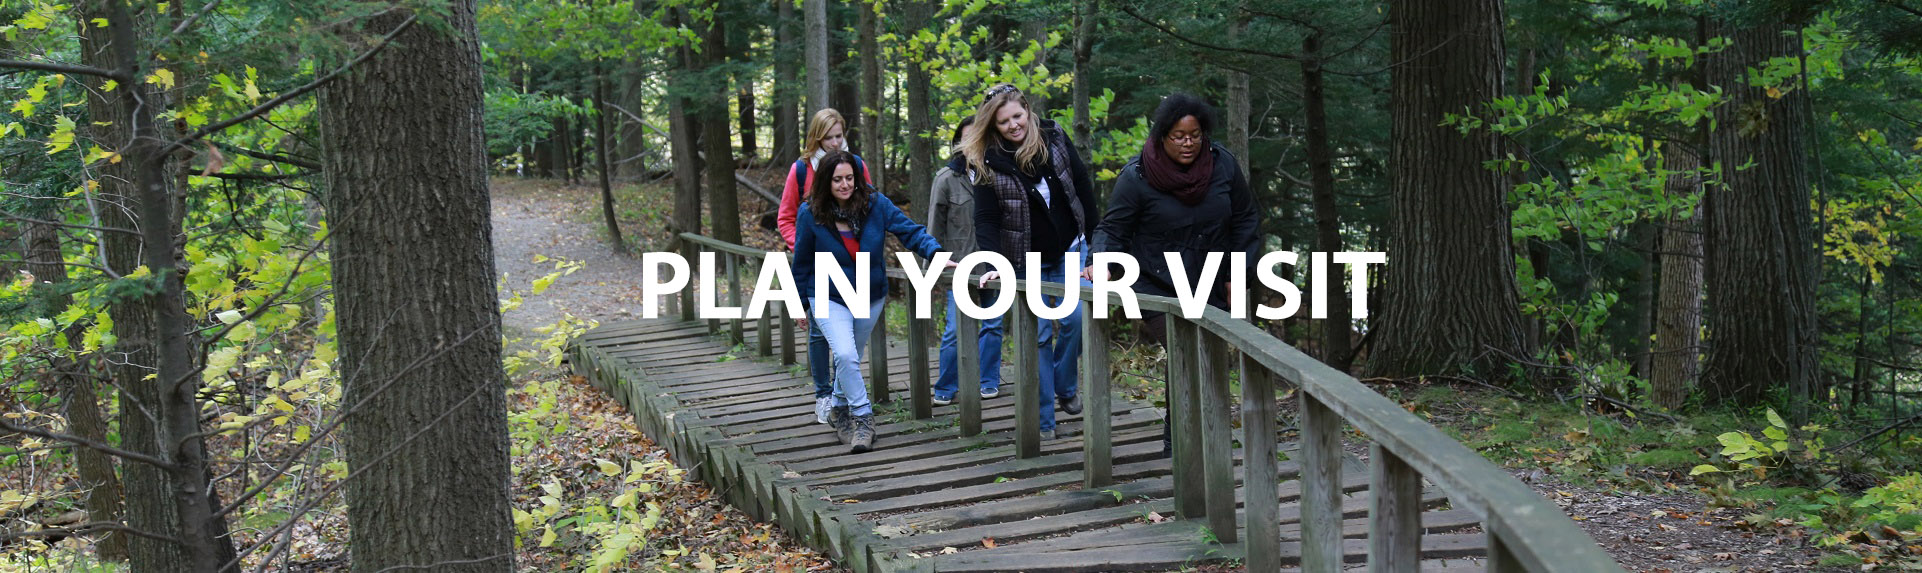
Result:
{"points": [[847, 341], [950, 381]]}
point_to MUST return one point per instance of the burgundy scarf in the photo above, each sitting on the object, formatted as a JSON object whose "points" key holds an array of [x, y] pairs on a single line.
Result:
{"points": [[1188, 183]]}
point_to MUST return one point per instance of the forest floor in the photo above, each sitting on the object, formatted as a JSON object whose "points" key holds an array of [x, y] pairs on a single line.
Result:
{"points": [[1627, 486]]}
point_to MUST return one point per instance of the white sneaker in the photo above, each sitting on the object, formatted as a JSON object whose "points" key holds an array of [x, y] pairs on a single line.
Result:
{"points": [[990, 393], [822, 406]]}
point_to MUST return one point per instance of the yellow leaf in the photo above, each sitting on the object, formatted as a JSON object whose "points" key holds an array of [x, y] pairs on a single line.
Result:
{"points": [[302, 434], [608, 468], [163, 76], [109, 86], [547, 539]]}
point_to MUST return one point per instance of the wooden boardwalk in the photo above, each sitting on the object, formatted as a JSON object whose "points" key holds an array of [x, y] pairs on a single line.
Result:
{"points": [[929, 499]]}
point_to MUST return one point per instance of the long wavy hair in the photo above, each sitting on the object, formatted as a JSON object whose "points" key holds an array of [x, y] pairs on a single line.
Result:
{"points": [[976, 138], [823, 206], [818, 127]]}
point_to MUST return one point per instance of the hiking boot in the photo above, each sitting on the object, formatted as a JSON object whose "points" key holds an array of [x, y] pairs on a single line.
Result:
{"points": [[863, 430], [1071, 405], [939, 401], [843, 426], [822, 406], [990, 393]]}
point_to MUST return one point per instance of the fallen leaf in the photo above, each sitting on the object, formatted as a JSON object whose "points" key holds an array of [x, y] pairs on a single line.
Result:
{"points": [[987, 542]]}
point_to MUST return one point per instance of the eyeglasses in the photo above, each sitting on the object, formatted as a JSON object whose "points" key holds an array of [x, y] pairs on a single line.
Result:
{"points": [[1001, 89], [1189, 139]]}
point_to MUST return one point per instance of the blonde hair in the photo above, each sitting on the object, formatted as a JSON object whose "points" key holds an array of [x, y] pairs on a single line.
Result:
{"points": [[818, 127], [976, 138]]}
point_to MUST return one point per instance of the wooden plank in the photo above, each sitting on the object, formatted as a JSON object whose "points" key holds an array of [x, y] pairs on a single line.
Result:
{"points": [[1320, 459], [926, 465], [1500, 558], [920, 387], [1184, 407], [764, 333], [739, 336], [781, 321], [1096, 402], [1262, 520], [1395, 521], [967, 345], [1217, 440], [1027, 379], [1011, 469]]}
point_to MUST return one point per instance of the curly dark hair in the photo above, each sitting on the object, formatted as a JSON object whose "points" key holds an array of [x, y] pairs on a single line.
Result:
{"points": [[1179, 105], [823, 206]]}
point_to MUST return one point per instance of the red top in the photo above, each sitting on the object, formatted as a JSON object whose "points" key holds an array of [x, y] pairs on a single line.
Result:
{"points": [[848, 240]]}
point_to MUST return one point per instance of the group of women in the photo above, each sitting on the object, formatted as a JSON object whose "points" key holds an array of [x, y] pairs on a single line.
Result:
{"points": [[1013, 185]]}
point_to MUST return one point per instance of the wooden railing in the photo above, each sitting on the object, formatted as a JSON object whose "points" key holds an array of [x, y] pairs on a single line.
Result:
{"points": [[1524, 531]]}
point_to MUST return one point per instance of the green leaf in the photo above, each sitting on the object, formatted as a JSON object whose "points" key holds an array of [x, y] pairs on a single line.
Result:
{"points": [[1704, 469], [1776, 420]]}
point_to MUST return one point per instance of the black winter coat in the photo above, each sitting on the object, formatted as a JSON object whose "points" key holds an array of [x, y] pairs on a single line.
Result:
{"points": [[1145, 222]]}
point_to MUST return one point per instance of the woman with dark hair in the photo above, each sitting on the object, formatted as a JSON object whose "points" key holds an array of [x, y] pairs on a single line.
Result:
{"points": [[851, 218], [1033, 193], [1183, 194], [826, 134]]}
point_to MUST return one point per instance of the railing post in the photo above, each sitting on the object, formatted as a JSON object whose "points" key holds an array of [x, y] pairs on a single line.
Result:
{"points": [[1027, 377], [1263, 521], [782, 320], [1217, 440], [878, 358], [1097, 447], [734, 296], [764, 334], [920, 389], [1394, 515], [967, 372], [688, 250], [1500, 558], [1184, 407], [1320, 487]]}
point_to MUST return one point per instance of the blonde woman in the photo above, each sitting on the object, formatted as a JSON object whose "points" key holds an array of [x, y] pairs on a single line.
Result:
{"points": [[1033, 193], [827, 133]]}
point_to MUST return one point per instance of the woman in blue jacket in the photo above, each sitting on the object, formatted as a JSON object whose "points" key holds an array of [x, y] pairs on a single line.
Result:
{"points": [[851, 219]]}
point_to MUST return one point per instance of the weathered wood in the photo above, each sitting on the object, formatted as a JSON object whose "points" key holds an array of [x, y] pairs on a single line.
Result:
{"points": [[1184, 407], [688, 249], [967, 346], [738, 336], [787, 334], [1321, 465], [1027, 379], [920, 388], [878, 359], [1500, 558], [1096, 402], [1262, 522], [1395, 521], [764, 333], [1217, 439]]}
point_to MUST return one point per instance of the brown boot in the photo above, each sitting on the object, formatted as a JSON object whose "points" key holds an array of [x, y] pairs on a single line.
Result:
{"points": [[842, 423], [863, 427]]}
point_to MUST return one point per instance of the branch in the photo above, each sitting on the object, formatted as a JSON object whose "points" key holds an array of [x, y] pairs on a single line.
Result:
{"points": [[209, 7], [103, 447], [89, 527], [63, 69], [258, 176], [1217, 47], [291, 95], [266, 156]]}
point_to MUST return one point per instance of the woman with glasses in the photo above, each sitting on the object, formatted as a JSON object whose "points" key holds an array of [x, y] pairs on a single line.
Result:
{"points": [[1033, 193], [1183, 194], [826, 134]]}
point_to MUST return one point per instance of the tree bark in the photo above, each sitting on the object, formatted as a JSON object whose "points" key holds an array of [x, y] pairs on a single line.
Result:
{"points": [[816, 38], [1036, 30], [1674, 363], [426, 438], [684, 135], [601, 144], [1451, 300], [871, 102], [1084, 28], [724, 210], [1759, 241], [1239, 107], [923, 138], [1337, 348], [787, 135]]}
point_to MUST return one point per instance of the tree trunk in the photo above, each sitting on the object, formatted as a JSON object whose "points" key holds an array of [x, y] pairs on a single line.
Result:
{"points": [[684, 136], [1036, 31], [1674, 364], [1759, 239], [600, 152], [426, 439], [1451, 300], [1239, 107], [871, 102], [1084, 29], [923, 138], [787, 135], [816, 53], [744, 101], [75, 381], [724, 209], [843, 80], [1337, 348]]}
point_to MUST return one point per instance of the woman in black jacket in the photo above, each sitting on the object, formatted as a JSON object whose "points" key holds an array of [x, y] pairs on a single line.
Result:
{"points": [[1184, 194], [1032, 193]]}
